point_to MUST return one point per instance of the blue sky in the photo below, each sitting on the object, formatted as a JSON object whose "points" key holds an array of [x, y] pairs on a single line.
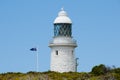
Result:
{"points": [[29, 23]]}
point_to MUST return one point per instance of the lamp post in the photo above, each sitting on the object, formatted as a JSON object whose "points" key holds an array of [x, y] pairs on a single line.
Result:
{"points": [[76, 63]]}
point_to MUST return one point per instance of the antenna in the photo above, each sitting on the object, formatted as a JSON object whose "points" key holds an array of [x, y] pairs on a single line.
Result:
{"points": [[62, 9]]}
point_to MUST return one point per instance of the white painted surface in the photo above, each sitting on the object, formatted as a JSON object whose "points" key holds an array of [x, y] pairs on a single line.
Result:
{"points": [[63, 48], [61, 40], [62, 17], [65, 60]]}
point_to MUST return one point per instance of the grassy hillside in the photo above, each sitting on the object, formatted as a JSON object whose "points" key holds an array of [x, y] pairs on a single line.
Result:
{"points": [[99, 72]]}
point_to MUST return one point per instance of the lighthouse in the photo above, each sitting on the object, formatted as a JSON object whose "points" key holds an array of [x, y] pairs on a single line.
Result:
{"points": [[63, 45]]}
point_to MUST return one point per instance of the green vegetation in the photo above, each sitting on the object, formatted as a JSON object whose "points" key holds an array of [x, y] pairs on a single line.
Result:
{"points": [[99, 72]]}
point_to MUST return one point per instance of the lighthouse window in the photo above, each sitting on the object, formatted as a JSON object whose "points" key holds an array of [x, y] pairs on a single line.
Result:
{"points": [[72, 52], [56, 52]]}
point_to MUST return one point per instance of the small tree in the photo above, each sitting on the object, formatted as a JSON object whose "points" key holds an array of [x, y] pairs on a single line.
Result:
{"points": [[99, 70]]}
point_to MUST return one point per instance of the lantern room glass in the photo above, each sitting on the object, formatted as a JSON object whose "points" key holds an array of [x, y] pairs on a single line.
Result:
{"points": [[62, 29]]}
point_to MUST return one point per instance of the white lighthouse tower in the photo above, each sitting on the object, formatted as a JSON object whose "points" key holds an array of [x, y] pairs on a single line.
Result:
{"points": [[63, 45]]}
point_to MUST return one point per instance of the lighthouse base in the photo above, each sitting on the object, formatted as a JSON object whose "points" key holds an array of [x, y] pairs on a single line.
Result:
{"points": [[63, 55]]}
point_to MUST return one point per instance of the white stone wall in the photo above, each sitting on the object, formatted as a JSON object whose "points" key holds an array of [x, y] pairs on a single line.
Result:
{"points": [[64, 61]]}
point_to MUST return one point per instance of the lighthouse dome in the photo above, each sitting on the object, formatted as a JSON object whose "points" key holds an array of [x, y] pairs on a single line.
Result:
{"points": [[62, 17]]}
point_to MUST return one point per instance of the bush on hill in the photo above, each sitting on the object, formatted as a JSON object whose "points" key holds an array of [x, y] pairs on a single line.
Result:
{"points": [[99, 72]]}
